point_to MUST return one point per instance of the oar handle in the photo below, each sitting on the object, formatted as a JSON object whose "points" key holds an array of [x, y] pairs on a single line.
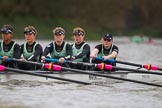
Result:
{"points": [[8, 59], [0, 58], [52, 60], [108, 60]]}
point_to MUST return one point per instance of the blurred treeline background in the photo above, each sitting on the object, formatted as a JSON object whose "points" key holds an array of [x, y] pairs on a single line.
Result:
{"points": [[119, 17]]}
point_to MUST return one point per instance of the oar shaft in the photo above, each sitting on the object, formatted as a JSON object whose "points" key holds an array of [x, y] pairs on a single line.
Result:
{"points": [[24, 61], [160, 69], [109, 67], [111, 77], [43, 75], [102, 75], [146, 66], [56, 67], [128, 63], [106, 67], [117, 61], [138, 71]]}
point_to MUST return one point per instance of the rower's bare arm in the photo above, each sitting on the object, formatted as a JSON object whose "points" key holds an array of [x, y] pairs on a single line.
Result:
{"points": [[94, 53], [43, 58], [114, 54]]}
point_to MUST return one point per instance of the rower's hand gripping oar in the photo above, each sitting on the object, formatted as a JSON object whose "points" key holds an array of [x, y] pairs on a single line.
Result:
{"points": [[72, 62], [146, 66], [43, 65]]}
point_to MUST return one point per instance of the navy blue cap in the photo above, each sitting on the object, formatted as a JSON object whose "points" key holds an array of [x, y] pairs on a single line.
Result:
{"points": [[108, 36], [6, 30]]}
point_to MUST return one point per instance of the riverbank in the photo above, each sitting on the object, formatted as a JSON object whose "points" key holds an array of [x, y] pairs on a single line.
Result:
{"points": [[45, 27]]}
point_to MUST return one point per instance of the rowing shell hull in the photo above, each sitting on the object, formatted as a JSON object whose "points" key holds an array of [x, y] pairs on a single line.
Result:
{"points": [[69, 75], [80, 77]]}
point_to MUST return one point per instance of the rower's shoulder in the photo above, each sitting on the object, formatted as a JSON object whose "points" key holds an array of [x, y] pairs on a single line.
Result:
{"points": [[99, 46], [115, 46]]}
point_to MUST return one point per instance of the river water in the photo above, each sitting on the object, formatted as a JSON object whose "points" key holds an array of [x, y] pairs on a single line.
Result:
{"points": [[36, 94]]}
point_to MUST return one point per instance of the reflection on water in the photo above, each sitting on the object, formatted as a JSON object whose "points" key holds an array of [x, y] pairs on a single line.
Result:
{"points": [[32, 94]]}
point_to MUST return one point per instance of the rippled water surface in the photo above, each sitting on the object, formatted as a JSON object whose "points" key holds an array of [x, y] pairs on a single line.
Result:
{"points": [[49, 94]]}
